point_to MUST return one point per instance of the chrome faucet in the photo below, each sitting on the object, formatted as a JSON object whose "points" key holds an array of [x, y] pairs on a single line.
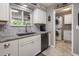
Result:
{"points": [[26, 30]]}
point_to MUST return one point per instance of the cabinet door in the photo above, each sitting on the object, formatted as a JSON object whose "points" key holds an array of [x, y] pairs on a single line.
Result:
{"points": [[35, 15], [68, 19], [13, 49], [67, 35], [25, 47], [9, 48], [29, 46], [4, 11], [39, 16], [43, 14], [44, 17], [37, 45]]}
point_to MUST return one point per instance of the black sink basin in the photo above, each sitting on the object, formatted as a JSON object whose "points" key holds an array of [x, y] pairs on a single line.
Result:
{"points": [[22, 34]]}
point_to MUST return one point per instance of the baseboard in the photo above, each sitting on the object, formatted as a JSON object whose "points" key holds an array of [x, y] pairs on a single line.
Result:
{"points": [[74, 54], [52, 46]]}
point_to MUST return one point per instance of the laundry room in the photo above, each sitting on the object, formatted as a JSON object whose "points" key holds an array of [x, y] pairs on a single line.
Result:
{"points": [[63, 28]]}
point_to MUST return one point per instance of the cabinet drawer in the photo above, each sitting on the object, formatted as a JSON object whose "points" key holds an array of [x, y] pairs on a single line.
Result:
{"points": [[8, 53], [8, 45], [36, 37], [28, 40]]}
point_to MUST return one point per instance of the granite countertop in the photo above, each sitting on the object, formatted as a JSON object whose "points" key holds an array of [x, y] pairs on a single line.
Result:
{"points": [[16, 37]]}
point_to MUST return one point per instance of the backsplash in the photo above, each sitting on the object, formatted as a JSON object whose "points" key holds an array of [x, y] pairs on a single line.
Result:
{"points": [[10, 30], [67, 27], [1, 27]]}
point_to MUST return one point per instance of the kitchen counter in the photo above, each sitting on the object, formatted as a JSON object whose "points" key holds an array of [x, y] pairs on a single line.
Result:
{"points": [[16, 37]]}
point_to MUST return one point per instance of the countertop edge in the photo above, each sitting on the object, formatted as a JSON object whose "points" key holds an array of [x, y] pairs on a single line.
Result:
{"points": [[20, 37]]}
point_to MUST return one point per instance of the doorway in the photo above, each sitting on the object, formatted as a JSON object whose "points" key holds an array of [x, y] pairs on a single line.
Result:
{"points": [[63, 28]]}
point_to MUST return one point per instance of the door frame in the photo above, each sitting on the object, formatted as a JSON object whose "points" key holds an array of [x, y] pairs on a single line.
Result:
{"points": [[54, 29]]}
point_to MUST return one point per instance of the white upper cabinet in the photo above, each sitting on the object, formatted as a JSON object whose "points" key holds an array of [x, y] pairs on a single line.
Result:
{"points": [[68, 19], [39, 16], [4, 11]]}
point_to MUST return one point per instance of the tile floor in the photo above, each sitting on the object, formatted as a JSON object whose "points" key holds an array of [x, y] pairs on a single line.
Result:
{"points": [[62, 49]]}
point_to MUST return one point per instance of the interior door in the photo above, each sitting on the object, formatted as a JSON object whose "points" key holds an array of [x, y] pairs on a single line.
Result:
{"points": [[54, 26]]}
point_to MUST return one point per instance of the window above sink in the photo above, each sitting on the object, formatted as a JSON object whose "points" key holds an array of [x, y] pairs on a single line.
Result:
{"points": [[20, 17]]}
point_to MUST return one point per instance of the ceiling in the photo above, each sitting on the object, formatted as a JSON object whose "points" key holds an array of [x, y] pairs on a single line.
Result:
{"points": [[48, 4], [55, 4]]}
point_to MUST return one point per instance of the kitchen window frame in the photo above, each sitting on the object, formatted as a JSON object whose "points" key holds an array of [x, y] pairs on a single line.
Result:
{"points": [[22, 14]]}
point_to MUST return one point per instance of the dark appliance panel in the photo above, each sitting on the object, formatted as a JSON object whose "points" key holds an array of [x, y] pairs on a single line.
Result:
{"points": [[78, 19], [44, 41], [43, 27]]}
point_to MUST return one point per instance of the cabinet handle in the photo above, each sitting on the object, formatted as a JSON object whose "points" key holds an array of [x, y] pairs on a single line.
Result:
{"points": [[6, 45], [7, 54], [27, 43], [30, 42]]}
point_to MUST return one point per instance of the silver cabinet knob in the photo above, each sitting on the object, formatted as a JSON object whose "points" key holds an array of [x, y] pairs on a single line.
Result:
{"points": [[32, 42], [6, 45], [7, 54]]}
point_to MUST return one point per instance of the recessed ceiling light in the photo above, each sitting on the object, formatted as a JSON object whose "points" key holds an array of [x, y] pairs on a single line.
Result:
{"points": [[14, 10], [66, 9], [25, 5]]}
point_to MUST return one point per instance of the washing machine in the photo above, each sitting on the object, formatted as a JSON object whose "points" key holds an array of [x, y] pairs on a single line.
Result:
{"points": [[59, 28], [58, 22], [58, 34]]}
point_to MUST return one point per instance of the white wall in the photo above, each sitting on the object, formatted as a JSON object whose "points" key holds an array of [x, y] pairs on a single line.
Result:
{"points": [[49, 25], [75, 30]]}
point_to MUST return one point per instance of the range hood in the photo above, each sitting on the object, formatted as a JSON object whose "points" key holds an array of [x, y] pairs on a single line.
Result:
{"points": [[3, 22]]}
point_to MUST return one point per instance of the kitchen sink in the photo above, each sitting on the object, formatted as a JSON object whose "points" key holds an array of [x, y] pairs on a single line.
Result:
{"points": [[22, 34]]}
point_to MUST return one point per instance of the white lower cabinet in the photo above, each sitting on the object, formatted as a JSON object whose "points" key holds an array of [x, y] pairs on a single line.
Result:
{"points": [[30, 46], [9, 48], [67, 35], [37, 47]]}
